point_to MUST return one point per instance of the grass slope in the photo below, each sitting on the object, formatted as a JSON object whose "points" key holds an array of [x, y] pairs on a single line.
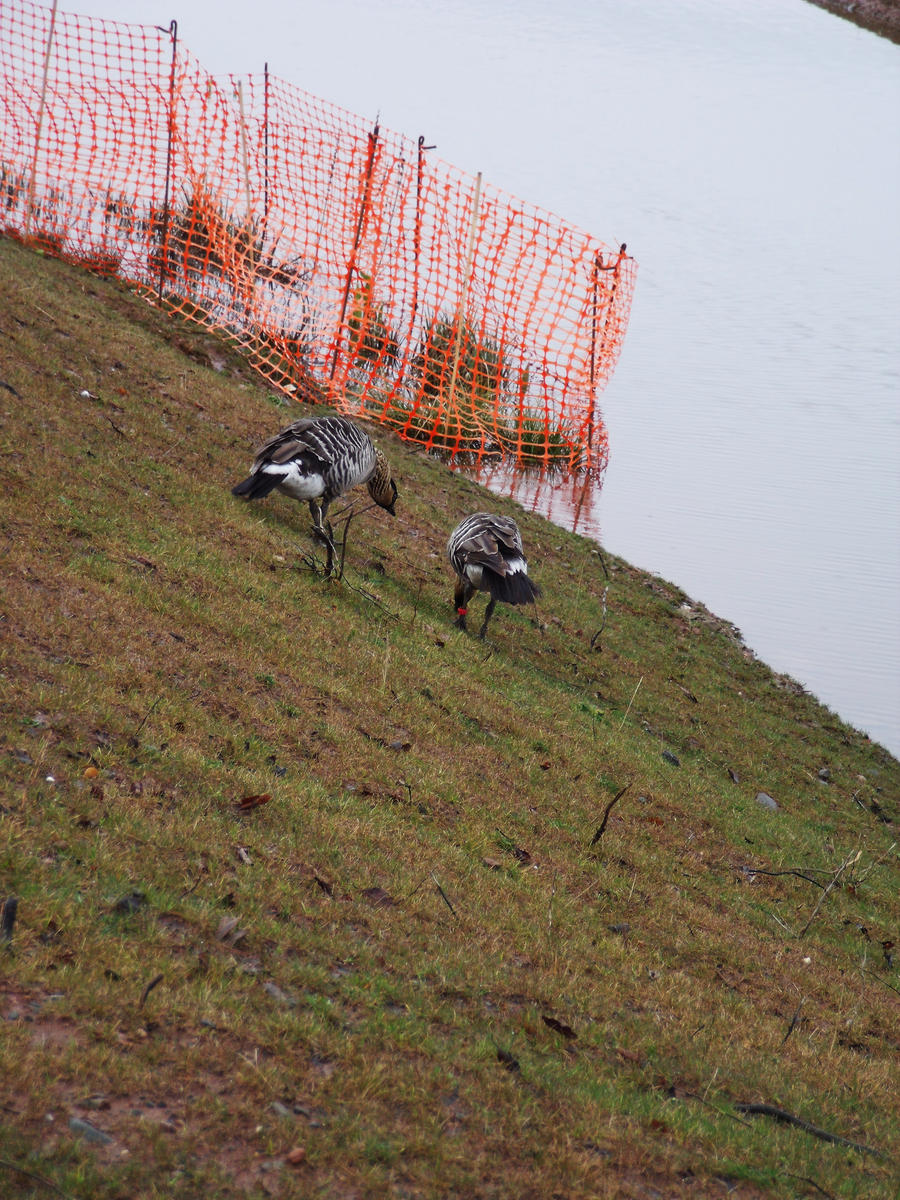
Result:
{"points": [[410, 967]]}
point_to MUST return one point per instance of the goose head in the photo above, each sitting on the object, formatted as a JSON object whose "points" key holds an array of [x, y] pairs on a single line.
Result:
{"points": [[381, 486]]}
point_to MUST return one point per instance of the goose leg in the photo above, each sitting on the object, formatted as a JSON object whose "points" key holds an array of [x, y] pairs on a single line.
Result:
{"points": [[487, 616], [323, 532], [461, 597]]}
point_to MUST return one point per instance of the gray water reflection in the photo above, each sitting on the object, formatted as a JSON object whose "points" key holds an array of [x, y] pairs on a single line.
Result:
{"points": [[746, 151]]}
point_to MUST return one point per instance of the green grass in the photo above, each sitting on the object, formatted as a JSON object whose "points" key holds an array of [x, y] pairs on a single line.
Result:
{"points": [[362, 966]]}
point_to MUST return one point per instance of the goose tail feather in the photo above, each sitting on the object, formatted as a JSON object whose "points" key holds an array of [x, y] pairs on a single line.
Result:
{"points": [[515, 588], [257, 486]]}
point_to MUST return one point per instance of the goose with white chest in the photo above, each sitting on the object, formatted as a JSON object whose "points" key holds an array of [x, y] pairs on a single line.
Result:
{"points": [[318, 460]]}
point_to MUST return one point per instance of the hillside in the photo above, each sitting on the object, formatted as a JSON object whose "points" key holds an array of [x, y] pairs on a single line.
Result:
{"points": [[318, 896]]}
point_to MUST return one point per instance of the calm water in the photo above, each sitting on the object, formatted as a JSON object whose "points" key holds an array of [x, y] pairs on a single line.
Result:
{"points": [[746, 151]]}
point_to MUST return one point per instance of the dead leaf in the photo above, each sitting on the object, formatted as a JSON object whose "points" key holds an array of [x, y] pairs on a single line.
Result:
{"points": [[628, 1055], [248, 803], [379, 898], [226, 925], [228, 931], [244, 856], [492, 864], [558, 1027]]}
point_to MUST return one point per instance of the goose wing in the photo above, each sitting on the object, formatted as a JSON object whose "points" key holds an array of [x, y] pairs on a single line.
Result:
{"points": [[293, 445], [486, 540]]}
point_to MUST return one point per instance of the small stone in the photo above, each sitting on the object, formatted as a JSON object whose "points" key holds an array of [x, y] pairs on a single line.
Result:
{"points": [[766, 801], [89, 1132], [296, 1156], [825, 775]]}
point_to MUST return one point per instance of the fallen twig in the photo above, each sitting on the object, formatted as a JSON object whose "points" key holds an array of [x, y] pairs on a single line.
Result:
{"points": [[631, 701], [880, 980], [876, 862], [372, 599], [4, 1162], [616, 798], [189, 891], [838, 873], [723, 1111], [149, 988], [147, 715], [793, 1022], [784, 925], [779, 1114], [799, 874], [443, 893], [812, 1183], [596, 636], [120, 432]]}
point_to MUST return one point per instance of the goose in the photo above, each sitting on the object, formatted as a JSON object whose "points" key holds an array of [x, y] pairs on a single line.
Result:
{"points": [[486, 553], [318, 460]]}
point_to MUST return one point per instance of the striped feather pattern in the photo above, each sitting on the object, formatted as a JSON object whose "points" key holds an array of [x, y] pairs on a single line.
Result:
{"points": [[486, 553], [319, 460]]}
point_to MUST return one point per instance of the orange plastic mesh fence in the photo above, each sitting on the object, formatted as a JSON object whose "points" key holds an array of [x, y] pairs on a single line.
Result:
{"points": [[353, 267]]}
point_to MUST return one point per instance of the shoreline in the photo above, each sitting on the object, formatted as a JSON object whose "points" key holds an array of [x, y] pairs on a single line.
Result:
{"points": [[881, 17]]}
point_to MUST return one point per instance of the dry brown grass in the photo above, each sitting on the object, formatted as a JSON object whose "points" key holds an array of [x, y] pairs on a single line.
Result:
{"points": [[385, 963]]}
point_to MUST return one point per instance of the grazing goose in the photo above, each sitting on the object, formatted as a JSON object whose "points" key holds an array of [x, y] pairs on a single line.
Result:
{"points": [[319, 460], [486, 553]]}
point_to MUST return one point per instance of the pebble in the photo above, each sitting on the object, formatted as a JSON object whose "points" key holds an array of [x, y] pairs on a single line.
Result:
{"points": [[89, 1132], [766, 801]]}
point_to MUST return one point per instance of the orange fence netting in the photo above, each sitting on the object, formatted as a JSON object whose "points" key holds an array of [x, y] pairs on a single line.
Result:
{"points": [[352, 267]]}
